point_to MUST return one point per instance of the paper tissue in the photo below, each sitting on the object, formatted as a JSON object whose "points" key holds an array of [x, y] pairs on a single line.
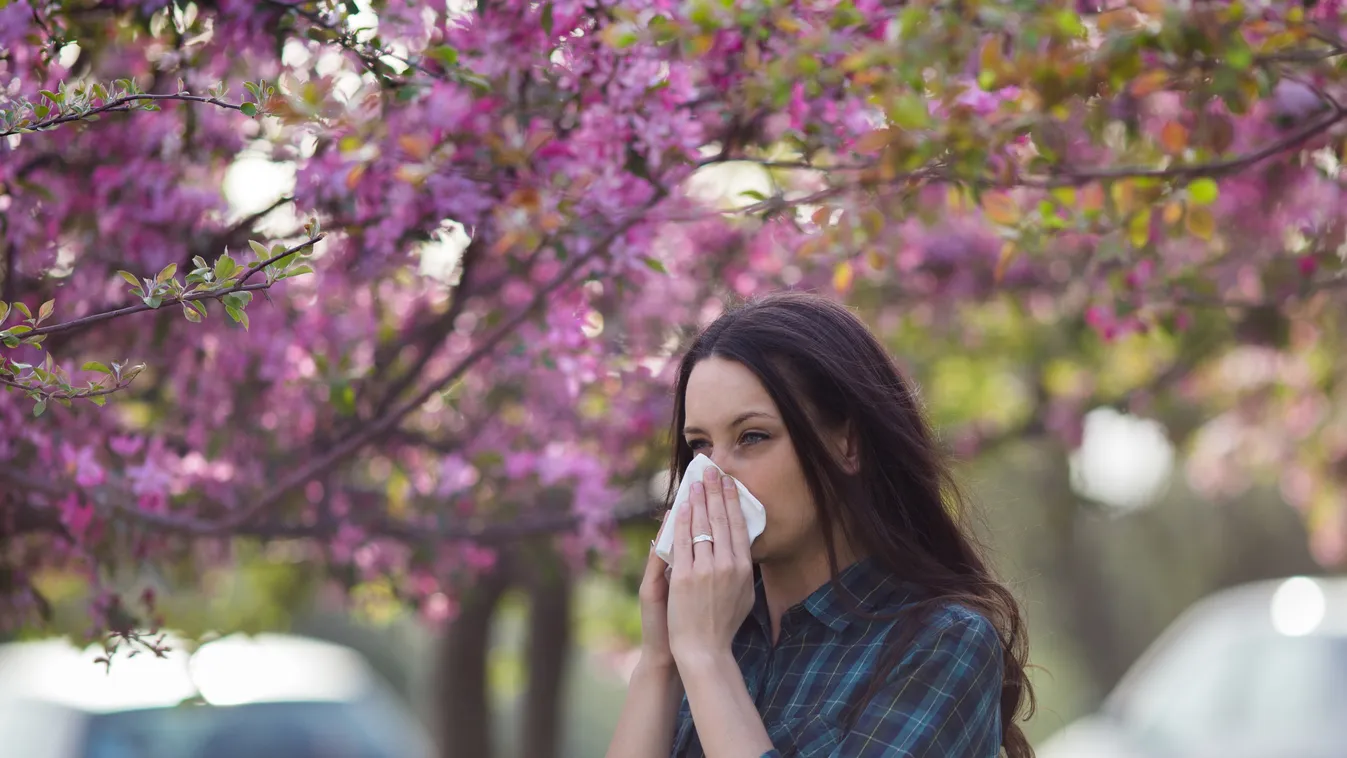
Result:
{"points": [[754, 515]]}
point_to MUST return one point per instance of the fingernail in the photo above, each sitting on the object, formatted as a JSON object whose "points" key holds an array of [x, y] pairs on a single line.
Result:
{"points": [[726, 481], [698, 488]]}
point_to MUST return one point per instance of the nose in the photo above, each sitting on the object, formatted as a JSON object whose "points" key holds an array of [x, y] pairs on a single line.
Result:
{"points": [[722, 463]]}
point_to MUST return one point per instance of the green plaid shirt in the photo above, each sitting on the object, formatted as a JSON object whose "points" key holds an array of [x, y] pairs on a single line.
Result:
{"points": [[941, 701]]}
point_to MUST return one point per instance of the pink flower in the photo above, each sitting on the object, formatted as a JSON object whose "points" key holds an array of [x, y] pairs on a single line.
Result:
{"points": [[126, 445], [76, 515], [81, 463]]}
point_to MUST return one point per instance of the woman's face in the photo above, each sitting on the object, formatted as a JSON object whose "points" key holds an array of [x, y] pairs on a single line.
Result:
{"points": [[732, 420]]}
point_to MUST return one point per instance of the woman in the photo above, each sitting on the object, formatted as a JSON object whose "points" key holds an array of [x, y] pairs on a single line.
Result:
{"points": [[862, 622]]}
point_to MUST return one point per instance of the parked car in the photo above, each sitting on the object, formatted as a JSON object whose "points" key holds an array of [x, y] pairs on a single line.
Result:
{"points": [[1256, 671], [263, 696]]}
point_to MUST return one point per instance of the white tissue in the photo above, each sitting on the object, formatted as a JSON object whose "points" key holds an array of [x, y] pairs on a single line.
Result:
{"points": [[754, 514]]}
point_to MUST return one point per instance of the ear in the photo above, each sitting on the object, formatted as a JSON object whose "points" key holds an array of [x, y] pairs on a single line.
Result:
{"points": [[847, 447]]}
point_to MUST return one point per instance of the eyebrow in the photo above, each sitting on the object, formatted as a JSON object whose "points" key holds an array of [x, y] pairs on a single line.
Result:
{"points": [[741, 418]]}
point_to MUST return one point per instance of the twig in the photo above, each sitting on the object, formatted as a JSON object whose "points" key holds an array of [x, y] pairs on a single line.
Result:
{"points": [[61, 395], [1191, 171], [118, 105], [239, 287]]}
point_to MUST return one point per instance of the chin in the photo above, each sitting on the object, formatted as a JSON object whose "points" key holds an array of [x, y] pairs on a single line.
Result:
{"points": [[759, 551]]}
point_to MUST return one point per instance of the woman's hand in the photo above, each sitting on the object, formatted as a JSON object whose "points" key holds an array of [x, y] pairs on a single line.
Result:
{"points": [[654, 599], [711, 587]]}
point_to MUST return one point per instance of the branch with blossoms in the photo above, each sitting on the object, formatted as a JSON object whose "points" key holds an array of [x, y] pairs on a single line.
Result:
{"points": [[870, 173], [236, 515], [65, 105], [329, 26], [226, 282]]}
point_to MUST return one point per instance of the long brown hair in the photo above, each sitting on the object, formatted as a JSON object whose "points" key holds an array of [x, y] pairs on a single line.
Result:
{"points": [[824, 369]]}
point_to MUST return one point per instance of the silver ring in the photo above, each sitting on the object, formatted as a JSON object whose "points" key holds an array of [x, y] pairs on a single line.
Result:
{"points": [[703, 538]]}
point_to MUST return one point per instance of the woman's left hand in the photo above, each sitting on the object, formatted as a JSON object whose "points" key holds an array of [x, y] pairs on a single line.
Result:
{"points": [[711, 586]]}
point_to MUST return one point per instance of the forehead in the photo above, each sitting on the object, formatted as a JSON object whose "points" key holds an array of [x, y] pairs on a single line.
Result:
{"points": [[720, 389]]}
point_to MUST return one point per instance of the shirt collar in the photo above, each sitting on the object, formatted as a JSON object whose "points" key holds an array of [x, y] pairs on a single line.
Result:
{"points": [[861, 585]]}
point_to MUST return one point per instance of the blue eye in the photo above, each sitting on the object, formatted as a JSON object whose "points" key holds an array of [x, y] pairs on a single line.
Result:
{"points": [[752, 438], [696, 444]]}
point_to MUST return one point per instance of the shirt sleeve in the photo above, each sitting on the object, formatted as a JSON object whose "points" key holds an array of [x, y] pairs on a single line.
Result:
{"points": [[943, 700]]}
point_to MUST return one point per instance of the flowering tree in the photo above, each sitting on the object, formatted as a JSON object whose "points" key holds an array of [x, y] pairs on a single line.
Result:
{"points": [[1163, 176]]}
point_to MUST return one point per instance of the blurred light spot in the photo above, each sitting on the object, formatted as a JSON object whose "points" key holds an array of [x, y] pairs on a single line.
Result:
{"points": [[56, 671], [1298, 606], [1123, 461], [275, 668], [253, 184]]}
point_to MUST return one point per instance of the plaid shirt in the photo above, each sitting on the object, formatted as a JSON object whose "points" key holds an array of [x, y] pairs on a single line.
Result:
{"points": [[941, 701]]}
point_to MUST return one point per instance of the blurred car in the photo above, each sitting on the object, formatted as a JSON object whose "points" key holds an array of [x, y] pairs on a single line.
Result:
{"points": [[261, 696], [1255, 671]]}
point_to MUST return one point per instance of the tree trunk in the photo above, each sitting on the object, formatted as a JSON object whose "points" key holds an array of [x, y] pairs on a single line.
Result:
{"points": [[465, 717], [550, 593]]}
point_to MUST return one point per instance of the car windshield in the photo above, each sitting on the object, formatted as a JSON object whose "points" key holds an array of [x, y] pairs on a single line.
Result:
{"points": [[1235, 693], [259, 730]]}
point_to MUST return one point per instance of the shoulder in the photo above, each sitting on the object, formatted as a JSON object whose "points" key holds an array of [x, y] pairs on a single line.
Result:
{"points": [[951, 633]]}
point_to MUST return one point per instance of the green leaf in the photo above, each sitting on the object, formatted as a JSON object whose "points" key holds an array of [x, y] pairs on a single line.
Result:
{"points": [[297, 271], [446, 55], [199, 306], [1239, 55], [259, 250], [44, 312], [153, 302], [39, 408], [4, 311], [910, 112], [19, 329], [1204, 191], [166, 274], [237, 300], [21, 308], [98, 400], [190, 314], [248, 109], [654, 265], [224, 267], [96, 366], [129, 277], [547, 19]]}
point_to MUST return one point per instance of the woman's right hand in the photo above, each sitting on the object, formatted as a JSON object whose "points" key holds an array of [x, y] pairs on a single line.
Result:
{"points": [[654, 597]]}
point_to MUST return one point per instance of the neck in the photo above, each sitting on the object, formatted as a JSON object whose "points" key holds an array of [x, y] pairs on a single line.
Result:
{"points": [[788, 582]]}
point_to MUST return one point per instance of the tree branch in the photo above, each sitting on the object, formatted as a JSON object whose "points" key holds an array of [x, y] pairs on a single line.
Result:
{"points": [[1219, 168], [118, 105], [240, 286], [437, 329]]}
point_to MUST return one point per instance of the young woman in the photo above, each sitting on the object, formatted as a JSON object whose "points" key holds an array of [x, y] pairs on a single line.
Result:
{"points": [[862, 622]]}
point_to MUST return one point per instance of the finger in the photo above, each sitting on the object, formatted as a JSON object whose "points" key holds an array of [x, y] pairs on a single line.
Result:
{"points": [[734, 513], [655, 583], [683, 538], [715, 512], [701, 523]]}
